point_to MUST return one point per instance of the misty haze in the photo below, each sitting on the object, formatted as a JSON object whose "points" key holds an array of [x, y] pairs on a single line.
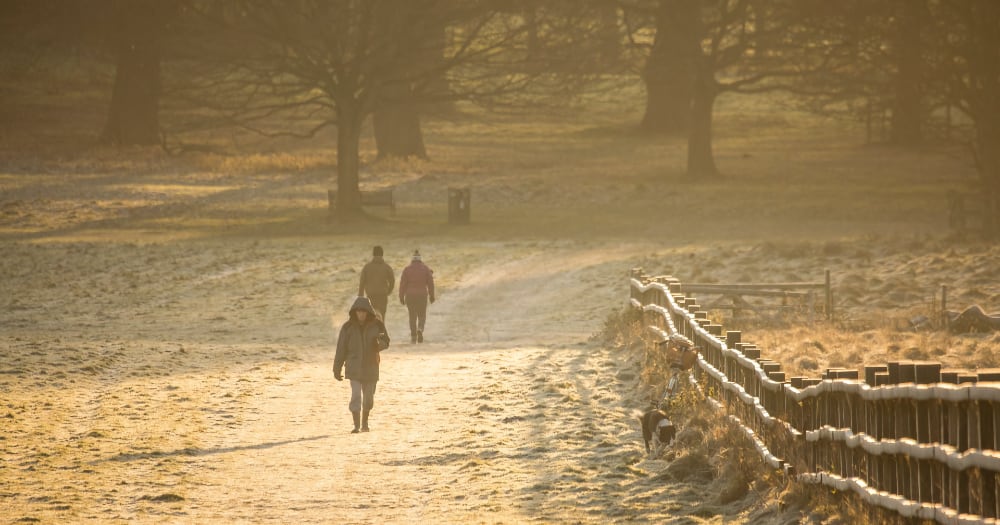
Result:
{"points": [[804, 194]]}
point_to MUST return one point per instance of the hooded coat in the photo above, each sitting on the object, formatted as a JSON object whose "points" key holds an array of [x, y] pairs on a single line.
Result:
{"points": [[359, 344]]}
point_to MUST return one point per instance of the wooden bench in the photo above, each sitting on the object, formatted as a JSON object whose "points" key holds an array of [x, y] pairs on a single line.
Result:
{"points": [[368, 198]]}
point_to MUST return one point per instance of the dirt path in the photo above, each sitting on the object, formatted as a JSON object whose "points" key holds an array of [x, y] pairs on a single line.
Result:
{"points": [[216, 406], [482, 425]]}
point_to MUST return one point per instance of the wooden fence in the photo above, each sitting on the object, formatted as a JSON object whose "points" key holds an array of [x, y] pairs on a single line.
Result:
{"points": [[910, 437], [793, 297]]}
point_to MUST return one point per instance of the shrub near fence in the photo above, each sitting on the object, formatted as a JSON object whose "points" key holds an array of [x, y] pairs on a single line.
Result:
{"points": [[908, 437]]}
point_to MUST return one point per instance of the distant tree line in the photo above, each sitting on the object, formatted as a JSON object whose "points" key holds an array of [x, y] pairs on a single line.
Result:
{"points": [[912, 70]]}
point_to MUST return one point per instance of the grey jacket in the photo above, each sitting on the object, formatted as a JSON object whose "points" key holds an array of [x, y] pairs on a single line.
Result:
{"points": [[359, 344]]}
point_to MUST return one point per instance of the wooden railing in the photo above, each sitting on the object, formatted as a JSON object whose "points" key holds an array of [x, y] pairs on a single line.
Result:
{"points": [[910, 437], [793, 296]]}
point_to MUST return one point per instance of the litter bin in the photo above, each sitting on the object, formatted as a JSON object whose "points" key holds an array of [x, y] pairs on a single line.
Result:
{"points": [[459, 200]]}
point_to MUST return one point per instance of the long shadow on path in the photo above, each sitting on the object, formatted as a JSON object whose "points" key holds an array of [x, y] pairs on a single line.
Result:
{"points": [[193, 451]]}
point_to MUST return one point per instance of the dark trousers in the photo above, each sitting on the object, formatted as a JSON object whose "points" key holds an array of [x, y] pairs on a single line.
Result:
{"points": [[417, 306], [380, 303]]}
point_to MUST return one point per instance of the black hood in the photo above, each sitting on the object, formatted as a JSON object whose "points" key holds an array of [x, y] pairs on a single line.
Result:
{"points": [[362, 303]]}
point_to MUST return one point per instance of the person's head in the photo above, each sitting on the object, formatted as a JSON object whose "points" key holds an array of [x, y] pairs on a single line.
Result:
{"points": [[362, 310], [416, 255], [377, 251]]}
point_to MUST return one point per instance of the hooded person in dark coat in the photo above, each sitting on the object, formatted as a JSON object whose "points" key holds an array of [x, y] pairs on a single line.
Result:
{"points": [[359, 344]]}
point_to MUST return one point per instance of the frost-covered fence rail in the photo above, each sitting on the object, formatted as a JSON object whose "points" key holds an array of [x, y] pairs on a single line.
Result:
{"points": [[792, 295], [910, 437]]}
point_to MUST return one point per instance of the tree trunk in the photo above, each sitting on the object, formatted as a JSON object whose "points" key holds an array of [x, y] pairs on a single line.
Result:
{"points": [[670, 70], [534, 47], [610, 50], [348, 144], [396, 117], [397, 129], [701, 161], [982, 80], [133, 116], [907, 108], [436, 91]]}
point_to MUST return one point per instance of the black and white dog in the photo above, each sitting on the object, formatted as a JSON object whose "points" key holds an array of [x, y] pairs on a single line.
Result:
{"points": [[656, 428]]}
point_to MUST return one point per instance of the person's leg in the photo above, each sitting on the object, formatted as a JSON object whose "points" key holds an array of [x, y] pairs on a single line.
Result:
{"points": [[355, 404], [368, 391], [413, 318], [380, 303], [420, 307]]}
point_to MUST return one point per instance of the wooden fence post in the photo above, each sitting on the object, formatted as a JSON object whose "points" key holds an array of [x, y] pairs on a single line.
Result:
{"points": [[829, 298], [945, 320]]}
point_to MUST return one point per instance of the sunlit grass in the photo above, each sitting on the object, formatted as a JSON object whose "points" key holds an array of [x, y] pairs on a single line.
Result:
{"points": [[170, 190], [283, 162]]}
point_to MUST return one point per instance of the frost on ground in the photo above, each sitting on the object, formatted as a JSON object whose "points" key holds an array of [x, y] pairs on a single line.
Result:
{"points": [[191, 382]]}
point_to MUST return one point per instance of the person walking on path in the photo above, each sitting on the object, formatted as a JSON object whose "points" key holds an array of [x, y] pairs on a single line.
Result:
{"points": [[377, 281], [416, 289], [359, 344]]}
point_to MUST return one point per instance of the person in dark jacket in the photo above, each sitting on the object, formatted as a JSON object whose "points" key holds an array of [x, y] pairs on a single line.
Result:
{"points": [[377, 281], [359, 344], [416, 289]]}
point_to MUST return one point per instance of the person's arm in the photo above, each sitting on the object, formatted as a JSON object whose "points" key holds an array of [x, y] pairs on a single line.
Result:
{"points": [[383, 337], [430, 284], [341, 355], [402, 286]]}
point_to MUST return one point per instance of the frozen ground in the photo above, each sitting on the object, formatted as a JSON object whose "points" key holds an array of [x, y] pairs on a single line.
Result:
{"points": [[191, 383]]}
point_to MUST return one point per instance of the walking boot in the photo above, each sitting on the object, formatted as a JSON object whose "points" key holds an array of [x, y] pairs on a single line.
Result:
{"points": [[420, 336], [364, 420], [413, 339], [357, 422]]}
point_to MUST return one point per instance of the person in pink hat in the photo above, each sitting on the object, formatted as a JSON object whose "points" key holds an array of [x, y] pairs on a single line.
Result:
{"points": [[416, 291]]}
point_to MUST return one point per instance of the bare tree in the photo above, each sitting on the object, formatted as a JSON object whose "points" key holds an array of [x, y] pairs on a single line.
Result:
{"points": [[293, 68], [578, 38], [35, 33], [703, 49], [750, 47], [915, 60], [747, 47], [876, 65], [967, 46]]}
